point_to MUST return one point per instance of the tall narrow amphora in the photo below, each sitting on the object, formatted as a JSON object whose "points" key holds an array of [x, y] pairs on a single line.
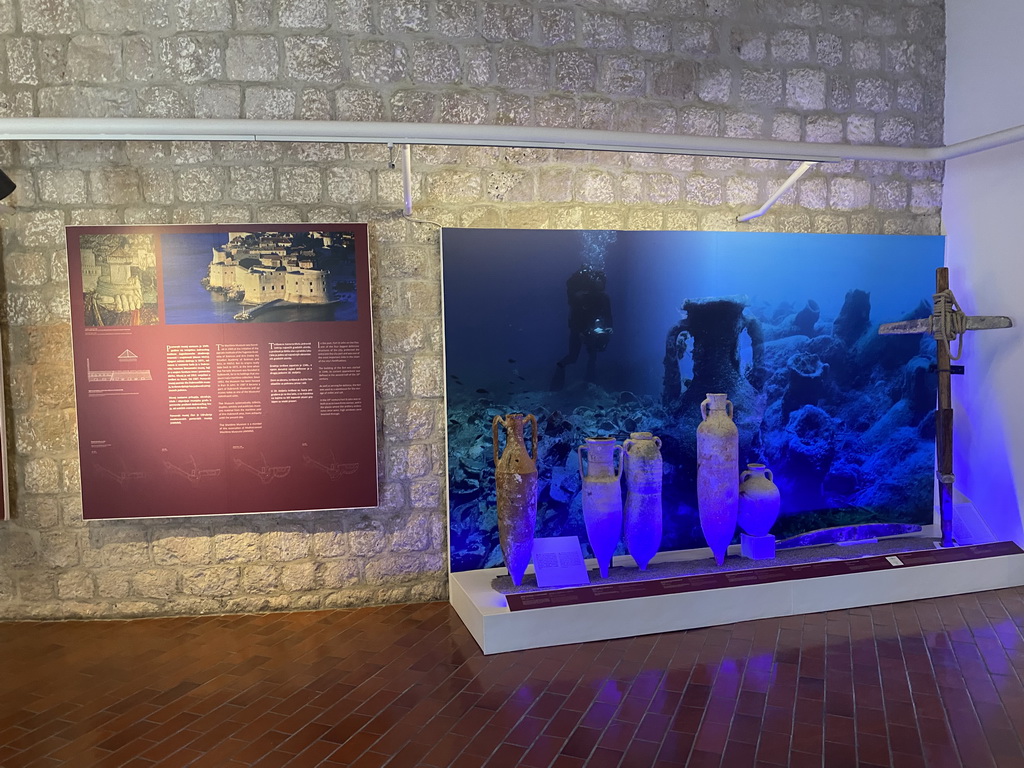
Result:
{"points": [[644, 468], [515, 475], [602, 497], [718, 481]]}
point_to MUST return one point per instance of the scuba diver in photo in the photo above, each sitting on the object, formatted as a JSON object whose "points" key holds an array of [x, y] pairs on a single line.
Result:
{"points": [[590, 321]]}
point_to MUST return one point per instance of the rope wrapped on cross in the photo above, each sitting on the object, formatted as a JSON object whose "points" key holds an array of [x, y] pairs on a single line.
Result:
{"points": [[948, 321]]}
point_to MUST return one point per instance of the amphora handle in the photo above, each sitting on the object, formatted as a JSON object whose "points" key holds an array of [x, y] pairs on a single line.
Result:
{"points": [[622, 460], [532, 420], [494, 434], [579, 454], [707, 402]]}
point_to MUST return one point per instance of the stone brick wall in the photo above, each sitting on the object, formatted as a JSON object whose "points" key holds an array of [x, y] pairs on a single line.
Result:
{"points": [[861, 71]]}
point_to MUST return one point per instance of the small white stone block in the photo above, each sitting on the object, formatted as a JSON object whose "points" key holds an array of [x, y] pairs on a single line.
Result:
{"points": [[757, 547]]}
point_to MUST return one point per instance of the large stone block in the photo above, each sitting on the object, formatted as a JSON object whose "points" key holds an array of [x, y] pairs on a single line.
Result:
{"points": [[28, 268], [379, 61], [714, 84], [113, 582], [353, 103], [392, 378], [95, 58], [193, 59], [873, 93], [262, 103], [218, 581], [425, 493], [50, 17], [899, 131], [21, 61], [436, 62], [203, 16], [805, 89], [791, 45], [557, 26], [201, 185], [302, 14], [367, 537], [343, 572], [75, 585], [850, 194], [285, 543], [41, 475], [84, 101], [157, 583], [252, 58], [261, 579], [176, 546], [300, 577], [506, 21], [602, 30], [301, 185], [455, 18], [523, 67], [252, 183], [703, 190], [316, 59], [622, 75]]}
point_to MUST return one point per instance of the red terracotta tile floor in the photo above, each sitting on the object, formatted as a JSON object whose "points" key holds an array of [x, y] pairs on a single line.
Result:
{"points": [[928, 683]]}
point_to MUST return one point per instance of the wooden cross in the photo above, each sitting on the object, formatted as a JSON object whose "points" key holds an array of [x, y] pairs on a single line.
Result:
{"points": [[946, 323]]}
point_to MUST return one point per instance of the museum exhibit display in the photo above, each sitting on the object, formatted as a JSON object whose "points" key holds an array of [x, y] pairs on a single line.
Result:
{"points": [[629, 332], [223, 369]]}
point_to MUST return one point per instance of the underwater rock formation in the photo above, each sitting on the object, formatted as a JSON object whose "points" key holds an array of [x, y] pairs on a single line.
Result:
{"points": [[854, 318], [805, 319], [807, 381], [919, 385], [891, 352]]}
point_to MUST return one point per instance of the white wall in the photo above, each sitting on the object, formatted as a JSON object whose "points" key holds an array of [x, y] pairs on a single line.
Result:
{"points": [[983, 215]]}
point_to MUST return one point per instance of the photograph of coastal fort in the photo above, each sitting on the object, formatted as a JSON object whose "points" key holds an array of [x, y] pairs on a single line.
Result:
{"points": [[245, 276]]}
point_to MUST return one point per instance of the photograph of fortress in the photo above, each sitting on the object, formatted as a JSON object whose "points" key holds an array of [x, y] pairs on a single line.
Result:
{"points": [[267, 266], [270, 276]]}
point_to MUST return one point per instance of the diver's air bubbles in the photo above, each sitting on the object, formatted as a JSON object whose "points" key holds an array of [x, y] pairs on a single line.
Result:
{"points": [[596, 244]]}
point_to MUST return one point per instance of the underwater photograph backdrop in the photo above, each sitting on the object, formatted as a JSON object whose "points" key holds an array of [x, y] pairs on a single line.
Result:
{"points": [[607, 333]]}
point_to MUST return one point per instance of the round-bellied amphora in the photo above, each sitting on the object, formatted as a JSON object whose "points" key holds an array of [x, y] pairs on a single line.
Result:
{"points": [[759, 500]]}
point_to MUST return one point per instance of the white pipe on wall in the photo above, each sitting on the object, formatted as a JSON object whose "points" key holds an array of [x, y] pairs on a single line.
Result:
{"points": [[192, 129], [407, 178], [786, 186]]}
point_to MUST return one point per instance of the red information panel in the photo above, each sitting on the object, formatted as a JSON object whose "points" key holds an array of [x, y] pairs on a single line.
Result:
{"points": [[223, 369]]}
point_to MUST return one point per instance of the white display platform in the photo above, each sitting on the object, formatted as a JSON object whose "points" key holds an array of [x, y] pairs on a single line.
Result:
{"points": [[497, 629]]}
